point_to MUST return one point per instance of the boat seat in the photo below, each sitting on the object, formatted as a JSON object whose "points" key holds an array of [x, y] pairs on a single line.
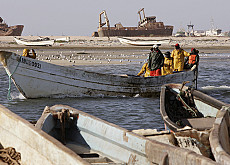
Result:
{"points": [[199, 123]]}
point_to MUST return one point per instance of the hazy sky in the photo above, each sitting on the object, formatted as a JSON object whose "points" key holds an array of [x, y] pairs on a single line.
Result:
{"points": [[81, 17]]}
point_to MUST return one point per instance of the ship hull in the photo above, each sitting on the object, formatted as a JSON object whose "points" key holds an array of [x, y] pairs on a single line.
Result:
{"points": [[12, 31], [134, 32]]}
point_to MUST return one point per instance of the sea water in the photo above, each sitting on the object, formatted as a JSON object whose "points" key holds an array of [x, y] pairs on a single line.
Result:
{"points": [[128, 112]]}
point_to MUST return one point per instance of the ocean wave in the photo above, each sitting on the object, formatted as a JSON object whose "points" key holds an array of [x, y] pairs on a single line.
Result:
{"points": [[219, 88]]}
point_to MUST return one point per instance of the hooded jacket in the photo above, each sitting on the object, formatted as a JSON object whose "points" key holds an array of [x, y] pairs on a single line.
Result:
{"points": [[156, 60]]}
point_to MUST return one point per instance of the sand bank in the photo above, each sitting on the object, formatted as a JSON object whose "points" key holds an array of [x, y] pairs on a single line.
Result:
{"points": [[83, 50]]}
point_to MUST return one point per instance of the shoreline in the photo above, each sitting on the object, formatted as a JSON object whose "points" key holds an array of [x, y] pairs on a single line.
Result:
{"points": [[203, 44], [82, 50]]}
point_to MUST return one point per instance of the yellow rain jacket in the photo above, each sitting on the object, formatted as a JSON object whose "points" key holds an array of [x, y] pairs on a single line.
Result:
{"points": [[168, 66], [178, 59], [27, 54], [144, 69]]}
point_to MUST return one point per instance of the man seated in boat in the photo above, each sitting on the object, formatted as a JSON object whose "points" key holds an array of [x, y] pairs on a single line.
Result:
{"points": [[168, 64], [192, 59], [178, 55], [145, 69], [156, 61], [26, 53]]}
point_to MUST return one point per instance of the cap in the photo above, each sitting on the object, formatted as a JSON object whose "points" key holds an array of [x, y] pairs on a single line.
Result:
{"points": [[177, 44], [155, 46]]}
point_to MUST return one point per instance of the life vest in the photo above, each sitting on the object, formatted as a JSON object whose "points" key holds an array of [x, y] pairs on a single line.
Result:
{"points": [[192, 59]]}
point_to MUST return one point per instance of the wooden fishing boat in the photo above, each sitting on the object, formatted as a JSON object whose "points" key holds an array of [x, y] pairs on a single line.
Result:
{"points": [[22, 143], [143, 42], [182, 106], [34, 79], [37, 42], [98, 141], [190, 114], [220, 136]]}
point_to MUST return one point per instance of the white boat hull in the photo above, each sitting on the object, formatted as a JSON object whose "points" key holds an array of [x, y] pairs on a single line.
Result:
{"points": [[143, 42], [36, 79], [34, 43]]}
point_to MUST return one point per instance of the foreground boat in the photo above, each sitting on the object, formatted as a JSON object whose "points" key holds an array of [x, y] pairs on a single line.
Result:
{"points": [[37, 42], [220, 136], [143, 42], [98, 141], [190, 114], [25, 144], [36, 79], [182, 106]]}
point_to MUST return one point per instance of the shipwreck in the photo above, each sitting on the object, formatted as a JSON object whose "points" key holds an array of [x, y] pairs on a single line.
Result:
{"points": [[147, 27], [6, 30]]}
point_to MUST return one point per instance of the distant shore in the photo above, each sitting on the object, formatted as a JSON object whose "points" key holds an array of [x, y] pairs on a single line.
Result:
{"points": [[84, 50], [204, 44]]}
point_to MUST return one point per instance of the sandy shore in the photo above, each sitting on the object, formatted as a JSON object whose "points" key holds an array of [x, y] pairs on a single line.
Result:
{"points": [[83, 50]]}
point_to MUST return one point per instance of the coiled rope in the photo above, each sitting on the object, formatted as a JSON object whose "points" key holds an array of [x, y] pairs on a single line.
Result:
{"points": [[9, 89], [10, 156]]}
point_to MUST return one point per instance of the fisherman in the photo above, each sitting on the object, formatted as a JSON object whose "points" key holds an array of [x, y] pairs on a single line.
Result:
{"points": [[26, 53], [168, 64], [193, 59], [178, 55], [156, 61], [145, 69]]}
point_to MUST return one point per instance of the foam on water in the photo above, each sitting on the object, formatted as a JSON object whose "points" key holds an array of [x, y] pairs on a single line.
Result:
{"points": [[214, 88]]}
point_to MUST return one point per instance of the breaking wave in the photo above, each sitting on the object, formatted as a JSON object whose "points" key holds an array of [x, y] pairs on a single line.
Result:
{"points": [[215, 88]]}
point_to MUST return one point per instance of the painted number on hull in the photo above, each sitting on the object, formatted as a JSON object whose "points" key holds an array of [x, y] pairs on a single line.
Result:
{"points": [[31, 63]]}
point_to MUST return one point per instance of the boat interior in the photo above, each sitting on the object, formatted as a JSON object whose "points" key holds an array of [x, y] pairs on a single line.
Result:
{"points": [[67, 128], [186, 109], [71, 136]]}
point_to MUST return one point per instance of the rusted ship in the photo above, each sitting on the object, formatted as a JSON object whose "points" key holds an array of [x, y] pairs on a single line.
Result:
{"points": [[6, 30], [147, 27]]}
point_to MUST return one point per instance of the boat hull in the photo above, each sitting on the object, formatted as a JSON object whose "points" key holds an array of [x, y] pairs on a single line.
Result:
{"points": [[143, 42], [35, 146], [135, 32], [36, 79], [207, 105], [34, 43], [12, 31], [88, 134], [219, 137]]}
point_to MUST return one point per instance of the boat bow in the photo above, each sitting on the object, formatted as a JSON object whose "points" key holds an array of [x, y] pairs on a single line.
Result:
{"points": [[4, 56]]}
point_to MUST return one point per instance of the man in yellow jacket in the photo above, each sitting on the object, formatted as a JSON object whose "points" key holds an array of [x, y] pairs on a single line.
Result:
{"points": [[26, 53], [144, 69], [168, 64], [178, 55]]}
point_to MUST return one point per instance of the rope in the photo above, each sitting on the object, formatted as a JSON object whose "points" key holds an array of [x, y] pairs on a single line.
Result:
{"points": [[190, 109], [9, 89], [10, 156]]}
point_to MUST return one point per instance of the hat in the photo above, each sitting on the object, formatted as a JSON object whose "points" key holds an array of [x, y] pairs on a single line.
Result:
{"points": [[155, 46], [177, 45], [167, 54]]}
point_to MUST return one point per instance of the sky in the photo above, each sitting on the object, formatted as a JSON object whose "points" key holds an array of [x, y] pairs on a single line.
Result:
{"points": [[81, 17]]}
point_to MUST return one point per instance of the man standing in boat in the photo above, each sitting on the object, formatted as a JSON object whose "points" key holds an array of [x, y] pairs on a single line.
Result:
{"points": [[193, 59], [178, 55], [156, 61]]}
